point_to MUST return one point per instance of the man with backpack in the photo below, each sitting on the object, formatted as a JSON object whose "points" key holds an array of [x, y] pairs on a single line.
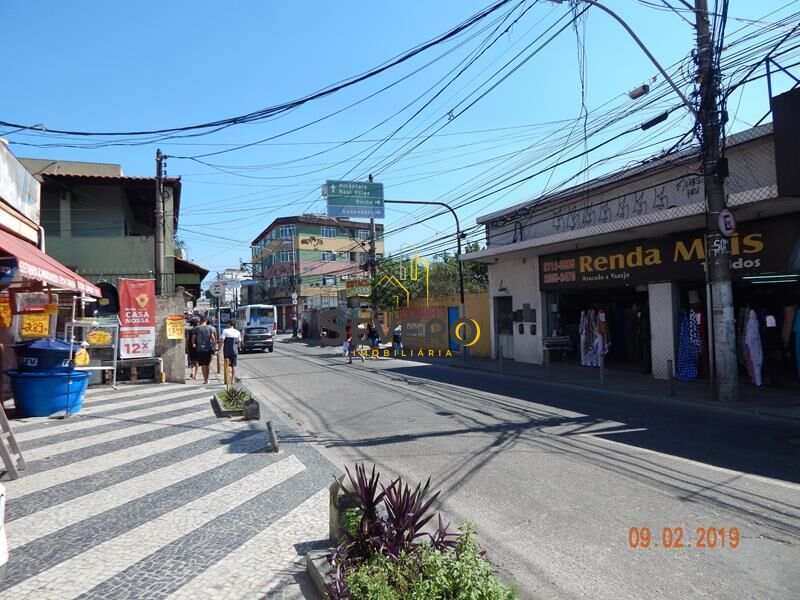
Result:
{"points": [[204, 341]]}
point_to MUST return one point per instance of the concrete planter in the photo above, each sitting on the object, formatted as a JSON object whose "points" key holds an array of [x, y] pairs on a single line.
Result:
{"points": [[250, 410], [317, 564], [220, 412]]}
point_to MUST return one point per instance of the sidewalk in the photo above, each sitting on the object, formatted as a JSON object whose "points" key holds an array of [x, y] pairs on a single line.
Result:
{"points": [[145, 494], [773, 402]]}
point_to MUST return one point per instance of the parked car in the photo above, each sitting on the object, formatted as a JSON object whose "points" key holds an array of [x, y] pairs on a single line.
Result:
{"points": [[257, 338]]}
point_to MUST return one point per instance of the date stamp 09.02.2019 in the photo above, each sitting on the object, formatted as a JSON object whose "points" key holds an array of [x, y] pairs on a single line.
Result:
{"points": [[677, 537]]}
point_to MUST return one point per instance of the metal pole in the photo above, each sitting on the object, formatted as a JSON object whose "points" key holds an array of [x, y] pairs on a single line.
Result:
{"points": [[718, 247], [500, 354], [670, 379], [458, 249], [273, 439], [601, 361], [641, 45], [294, 292], [159, 224], [547, 362], [373, 268]]}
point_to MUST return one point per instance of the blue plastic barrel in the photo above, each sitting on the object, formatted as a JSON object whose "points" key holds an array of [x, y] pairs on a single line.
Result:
{"points": [[40, 394], [44, 355]]}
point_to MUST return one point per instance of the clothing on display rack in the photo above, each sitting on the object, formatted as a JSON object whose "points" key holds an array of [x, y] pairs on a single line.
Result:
{"points": [[753, 350], [594, 337], [588, 334]]}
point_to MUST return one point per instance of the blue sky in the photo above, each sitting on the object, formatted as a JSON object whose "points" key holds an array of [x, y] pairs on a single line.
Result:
{"points": [[97, 66]]}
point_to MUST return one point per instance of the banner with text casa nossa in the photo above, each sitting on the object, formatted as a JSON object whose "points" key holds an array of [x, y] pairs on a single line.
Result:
{"points": [[137, 318], [765, 247]]}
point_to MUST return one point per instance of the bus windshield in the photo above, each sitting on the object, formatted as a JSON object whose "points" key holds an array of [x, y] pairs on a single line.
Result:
{"points": [[262, 312]]}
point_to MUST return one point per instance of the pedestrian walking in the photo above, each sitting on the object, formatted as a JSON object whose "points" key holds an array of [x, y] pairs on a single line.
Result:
{"points": [[352, 342], [204, 341], [397, 342], [373, 339], [229, 342], [191, 354]]}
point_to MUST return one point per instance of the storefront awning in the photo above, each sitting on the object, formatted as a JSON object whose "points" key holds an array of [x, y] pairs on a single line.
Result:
{"points": [[35, 265]]}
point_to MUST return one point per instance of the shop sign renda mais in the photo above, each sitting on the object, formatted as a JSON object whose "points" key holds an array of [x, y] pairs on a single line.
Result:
{"points": [[766, 246]]}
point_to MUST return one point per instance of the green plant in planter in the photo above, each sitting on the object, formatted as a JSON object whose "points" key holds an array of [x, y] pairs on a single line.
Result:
{"points": [[351, 517], [234, 397], [388, 555]]}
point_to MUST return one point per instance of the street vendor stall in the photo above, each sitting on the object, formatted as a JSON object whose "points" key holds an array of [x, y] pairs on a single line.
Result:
{"points": [[32, 285]]}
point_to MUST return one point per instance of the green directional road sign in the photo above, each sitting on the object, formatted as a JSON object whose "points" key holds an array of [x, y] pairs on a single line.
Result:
{"points": [[354, 199]]}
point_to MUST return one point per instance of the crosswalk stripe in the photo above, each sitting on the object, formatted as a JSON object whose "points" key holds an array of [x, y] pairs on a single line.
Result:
{"points": [[109, 436], [39, 481], [95, 420], [39, 524], [69, 578], [263, 561], [90, 407], [105, 394]]}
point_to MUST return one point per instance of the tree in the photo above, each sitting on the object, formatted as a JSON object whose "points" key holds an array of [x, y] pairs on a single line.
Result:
{"points": [[180, 248], [442, 278]]}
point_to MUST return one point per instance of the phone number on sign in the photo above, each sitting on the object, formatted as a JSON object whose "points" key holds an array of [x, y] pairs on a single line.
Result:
{"points": [[676, 537]]}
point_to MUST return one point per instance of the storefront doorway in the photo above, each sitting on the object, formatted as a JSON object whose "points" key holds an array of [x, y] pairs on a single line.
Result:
{"points": [[504, 325], [768, 348], [620, 314]]}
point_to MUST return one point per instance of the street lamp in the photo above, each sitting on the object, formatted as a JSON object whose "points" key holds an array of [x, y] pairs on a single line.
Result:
{"points": [[459, 237], [652, 58]]}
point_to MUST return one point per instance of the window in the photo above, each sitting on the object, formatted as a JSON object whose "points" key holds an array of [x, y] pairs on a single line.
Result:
{"points": [[362, 234], [344, 255], [329, 280], [286, 256], [327, 232], [354, 257], [262, 312], [287, 232], [327, 255]]}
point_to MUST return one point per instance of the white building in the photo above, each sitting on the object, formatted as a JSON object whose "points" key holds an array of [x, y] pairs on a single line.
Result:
{"points": [[631, 245]]}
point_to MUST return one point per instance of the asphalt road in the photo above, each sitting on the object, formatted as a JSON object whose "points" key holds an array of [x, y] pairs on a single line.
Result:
{"points": [[555, 477]]}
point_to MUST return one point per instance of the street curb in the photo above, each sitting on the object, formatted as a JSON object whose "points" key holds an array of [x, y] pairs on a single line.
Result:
{"points": [[633, 395]]}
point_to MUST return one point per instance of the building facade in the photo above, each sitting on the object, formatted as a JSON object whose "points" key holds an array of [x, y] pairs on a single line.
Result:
{"points": [[311, 256], [101, 223], [617, 267]]}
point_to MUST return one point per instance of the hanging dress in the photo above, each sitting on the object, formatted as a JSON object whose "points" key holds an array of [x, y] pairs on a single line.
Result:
{"points": [[590, 341], [753, 350], [688, 336], [603, 334], [582, 331]]}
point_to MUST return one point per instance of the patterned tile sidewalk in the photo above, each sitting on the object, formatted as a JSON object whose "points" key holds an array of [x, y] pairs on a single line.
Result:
{"points": [[144, 494]]}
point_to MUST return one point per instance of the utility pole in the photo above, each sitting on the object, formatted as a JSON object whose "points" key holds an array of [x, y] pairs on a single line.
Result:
{"points": [[717, 246], [294, 292], [373, 267], [159, 223]]}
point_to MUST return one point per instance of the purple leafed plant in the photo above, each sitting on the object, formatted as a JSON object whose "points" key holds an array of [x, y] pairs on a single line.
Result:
{"points": [[407, 512], [444, 539]]}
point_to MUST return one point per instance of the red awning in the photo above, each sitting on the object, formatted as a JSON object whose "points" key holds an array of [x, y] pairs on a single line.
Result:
{"points": [[34, 264]]}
